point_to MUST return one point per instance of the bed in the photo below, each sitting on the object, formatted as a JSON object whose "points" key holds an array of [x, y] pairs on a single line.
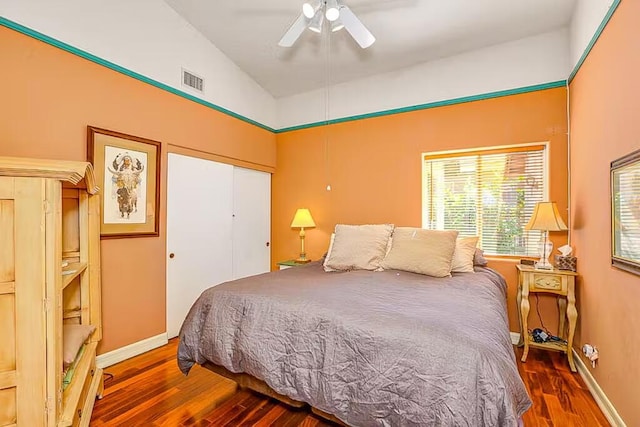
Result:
{"points": [[372, 348]]}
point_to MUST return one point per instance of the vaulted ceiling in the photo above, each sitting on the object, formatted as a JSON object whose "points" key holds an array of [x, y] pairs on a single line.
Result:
{"points": [[408, 32]]}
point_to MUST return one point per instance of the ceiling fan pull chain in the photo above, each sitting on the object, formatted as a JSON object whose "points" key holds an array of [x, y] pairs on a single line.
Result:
{"points": [[327, 70]]}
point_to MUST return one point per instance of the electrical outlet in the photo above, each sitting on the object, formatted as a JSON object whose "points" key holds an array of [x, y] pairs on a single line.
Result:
{"points": [[591, 353]]}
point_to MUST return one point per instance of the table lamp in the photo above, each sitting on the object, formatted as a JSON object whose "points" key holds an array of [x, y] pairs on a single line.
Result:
{"points": [[302, 220], [545, 218]]}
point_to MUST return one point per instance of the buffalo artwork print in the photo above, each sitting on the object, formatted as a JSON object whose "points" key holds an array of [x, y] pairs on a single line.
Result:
{"points": [[125, 185], [128, 170]]}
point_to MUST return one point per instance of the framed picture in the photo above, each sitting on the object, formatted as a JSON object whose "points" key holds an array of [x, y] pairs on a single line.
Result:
{"points": [[625, 213], [128, 171]]}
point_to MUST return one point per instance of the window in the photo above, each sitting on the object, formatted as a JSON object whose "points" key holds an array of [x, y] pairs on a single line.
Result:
{"points": [[488, 193]]}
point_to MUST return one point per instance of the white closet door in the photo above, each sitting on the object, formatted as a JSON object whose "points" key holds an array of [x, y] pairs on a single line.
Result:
{"points": [[199, 232], [251, 222]]}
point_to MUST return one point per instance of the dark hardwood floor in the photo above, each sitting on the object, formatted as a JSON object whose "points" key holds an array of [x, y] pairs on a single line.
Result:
{"points": [[149, 390], [560, 397]]}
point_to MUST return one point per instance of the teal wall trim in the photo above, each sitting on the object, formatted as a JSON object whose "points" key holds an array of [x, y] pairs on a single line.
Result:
{"points": [[86, 55], [551, 85], [594, 39]]}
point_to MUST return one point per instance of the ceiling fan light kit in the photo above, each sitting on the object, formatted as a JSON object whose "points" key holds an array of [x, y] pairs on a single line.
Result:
{"points": [[309, 11], [338, 15], [336, 25], [332, 13], [316, 23]]}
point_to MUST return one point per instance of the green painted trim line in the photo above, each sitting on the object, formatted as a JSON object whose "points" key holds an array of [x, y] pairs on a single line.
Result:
{"points": [[490, 95], [594, 39], [86, 55]]}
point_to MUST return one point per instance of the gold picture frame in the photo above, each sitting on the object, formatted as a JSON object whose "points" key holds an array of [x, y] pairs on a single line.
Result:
{"points": [[127, 169], [625, 213]]}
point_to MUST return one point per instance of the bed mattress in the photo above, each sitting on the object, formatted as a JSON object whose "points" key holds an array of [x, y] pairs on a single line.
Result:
{"points": [[387, 348]]}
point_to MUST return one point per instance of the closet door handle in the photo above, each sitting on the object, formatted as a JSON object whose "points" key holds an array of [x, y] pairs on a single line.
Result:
{"points": [[267, 244], [172, 255]]}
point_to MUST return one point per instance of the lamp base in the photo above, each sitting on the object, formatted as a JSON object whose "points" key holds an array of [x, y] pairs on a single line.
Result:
{"points": [[545, 247], [302, 261], [543, 265]]}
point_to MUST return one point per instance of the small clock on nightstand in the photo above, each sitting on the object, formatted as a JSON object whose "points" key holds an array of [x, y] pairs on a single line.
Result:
{"points": [[283, 265]]}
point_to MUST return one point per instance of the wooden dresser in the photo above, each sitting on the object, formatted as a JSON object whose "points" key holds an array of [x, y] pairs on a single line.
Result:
{"points": [[49, 217]]}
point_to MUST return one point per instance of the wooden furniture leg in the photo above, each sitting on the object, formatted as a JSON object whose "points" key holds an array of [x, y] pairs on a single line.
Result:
{"points": [[519, 305], [100, 391], [562, 310], [524, 315], [572, 316]]}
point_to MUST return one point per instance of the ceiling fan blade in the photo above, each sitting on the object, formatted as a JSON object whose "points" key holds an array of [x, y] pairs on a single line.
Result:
{"points": [[356, 28], [294, 31]]}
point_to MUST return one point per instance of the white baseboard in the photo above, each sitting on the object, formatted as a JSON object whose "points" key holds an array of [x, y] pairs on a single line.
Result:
{"points": [[601, 399], [131, 350]]}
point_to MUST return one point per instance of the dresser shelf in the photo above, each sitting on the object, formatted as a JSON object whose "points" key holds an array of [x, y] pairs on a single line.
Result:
{"points": [[74, 395], [549, 345], [49, 216], [72, 271]]}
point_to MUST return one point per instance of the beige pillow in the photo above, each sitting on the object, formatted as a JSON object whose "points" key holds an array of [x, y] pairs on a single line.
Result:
{"points": [[428, 252], [73, 336], [358, 247], [463, 255], [326, 258], [479, 259]]}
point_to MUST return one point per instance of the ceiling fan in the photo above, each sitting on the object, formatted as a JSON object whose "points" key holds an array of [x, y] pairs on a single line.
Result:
{"points": [[339, 16]]}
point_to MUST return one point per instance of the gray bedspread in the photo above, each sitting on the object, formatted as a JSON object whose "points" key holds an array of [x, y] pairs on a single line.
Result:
{"points": [[386, 348]]}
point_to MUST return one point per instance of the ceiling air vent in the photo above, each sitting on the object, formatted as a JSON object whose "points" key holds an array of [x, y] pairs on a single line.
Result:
{"points": [[191, 80]]}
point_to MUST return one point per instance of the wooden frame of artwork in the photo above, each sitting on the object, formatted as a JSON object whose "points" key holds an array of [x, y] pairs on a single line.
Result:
{"points": [[127, 170], [625, 212]]}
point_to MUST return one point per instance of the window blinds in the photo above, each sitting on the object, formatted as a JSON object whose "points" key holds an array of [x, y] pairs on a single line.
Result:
{"points": [[490, 194]]}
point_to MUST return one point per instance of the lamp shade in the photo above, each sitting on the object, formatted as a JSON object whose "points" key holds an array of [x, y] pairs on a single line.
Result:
{"points": [[546, 217], [302, 219]]}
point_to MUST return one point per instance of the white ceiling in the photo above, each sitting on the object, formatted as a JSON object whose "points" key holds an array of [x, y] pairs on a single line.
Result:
{"points": [[408, 32]]}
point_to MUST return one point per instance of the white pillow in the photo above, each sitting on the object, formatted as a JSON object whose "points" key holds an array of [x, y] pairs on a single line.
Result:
{"points": [[463, 255], [358, 247], [417, 250]]}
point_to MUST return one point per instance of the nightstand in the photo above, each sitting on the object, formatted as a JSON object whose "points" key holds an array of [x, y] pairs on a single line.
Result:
{"points": [[283, 265], [560, 283]]}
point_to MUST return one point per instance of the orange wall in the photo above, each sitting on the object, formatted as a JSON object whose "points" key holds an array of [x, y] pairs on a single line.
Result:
{"points": [[48, 97], [374, 167], [605, 125]]}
